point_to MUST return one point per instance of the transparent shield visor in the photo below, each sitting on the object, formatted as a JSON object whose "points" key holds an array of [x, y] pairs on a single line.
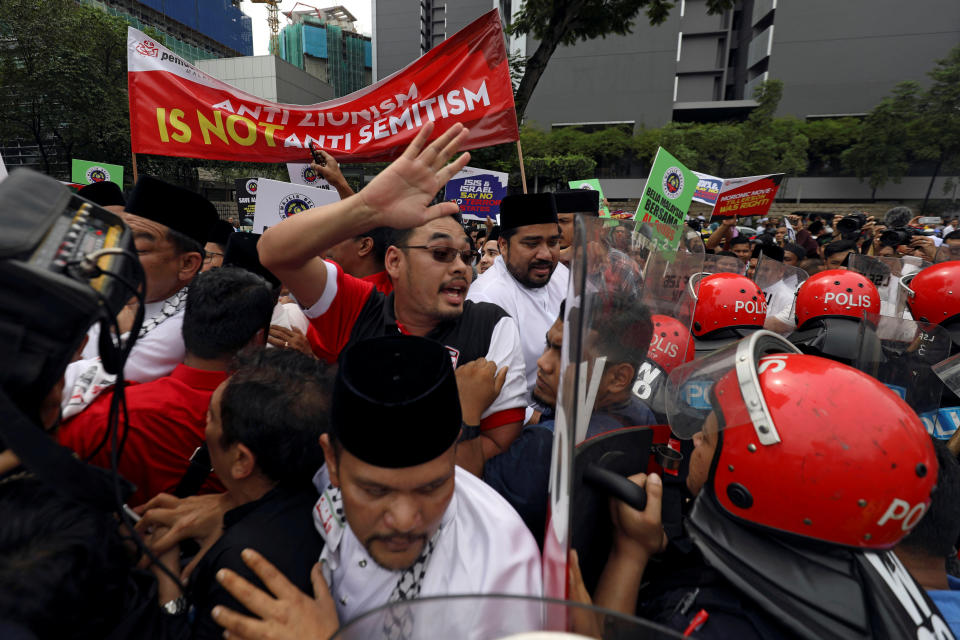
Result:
{"points": [[497, 617], [947, 252], [713, 263], [671, 306], [779, 283], [902, 355], [889, 275], [606, 322], [727, 377], [948, 371]]}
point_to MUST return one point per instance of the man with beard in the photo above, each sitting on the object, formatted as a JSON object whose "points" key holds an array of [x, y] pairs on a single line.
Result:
{"points": [[400, 521], [169, 225], [428, 260], [526, 280]]}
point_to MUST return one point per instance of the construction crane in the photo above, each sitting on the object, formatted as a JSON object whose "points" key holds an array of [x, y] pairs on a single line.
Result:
{"points": [[273, 21]]}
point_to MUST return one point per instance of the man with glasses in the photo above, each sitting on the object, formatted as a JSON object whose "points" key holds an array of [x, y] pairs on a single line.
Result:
{"points": [[217, 238], [527, 280], [169, 226], [429, 261]]}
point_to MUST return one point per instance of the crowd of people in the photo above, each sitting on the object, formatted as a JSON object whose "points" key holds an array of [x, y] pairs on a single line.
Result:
{"points": [[300, 451]]}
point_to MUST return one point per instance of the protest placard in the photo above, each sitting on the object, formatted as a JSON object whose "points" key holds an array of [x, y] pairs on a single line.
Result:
{"points": [[302, 173], [246, 189], [708, 188], [666, 200], [478, 192], [276, 201], [178, 110], [86, 172], [749, 196], [594, 185]]}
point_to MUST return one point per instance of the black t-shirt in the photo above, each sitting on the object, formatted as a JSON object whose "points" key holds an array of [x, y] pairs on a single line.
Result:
{"points": [[280, 527]]}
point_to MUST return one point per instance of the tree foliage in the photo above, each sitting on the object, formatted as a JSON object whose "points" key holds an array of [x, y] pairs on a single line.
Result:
{"points": [[63, 76], [556, 22], [912, 125]]}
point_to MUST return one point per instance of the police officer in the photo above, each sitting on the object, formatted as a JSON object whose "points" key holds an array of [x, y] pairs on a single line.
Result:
{"points": [[795, 510]]}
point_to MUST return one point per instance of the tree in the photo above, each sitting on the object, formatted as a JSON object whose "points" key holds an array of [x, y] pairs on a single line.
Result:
{"points": [[558, 170], [63, 72], [556, 22], [936, 132], [829, 138], [912, 125], [883, 152]]}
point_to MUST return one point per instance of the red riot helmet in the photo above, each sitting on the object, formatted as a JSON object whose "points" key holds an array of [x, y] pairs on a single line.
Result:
{"points": [[837, 293], [794, 455], [933, 294], [670, 344], [726, 301]]}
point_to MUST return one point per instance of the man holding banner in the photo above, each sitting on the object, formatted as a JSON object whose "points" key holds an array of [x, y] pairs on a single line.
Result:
{"points": [[429, 262]]}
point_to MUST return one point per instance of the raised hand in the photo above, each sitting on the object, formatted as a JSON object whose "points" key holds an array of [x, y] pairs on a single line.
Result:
{"points": [[399, 195]]}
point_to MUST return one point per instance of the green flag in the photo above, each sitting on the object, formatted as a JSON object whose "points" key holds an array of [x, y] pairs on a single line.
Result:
{"points": [[666, 200], [86, 172]]}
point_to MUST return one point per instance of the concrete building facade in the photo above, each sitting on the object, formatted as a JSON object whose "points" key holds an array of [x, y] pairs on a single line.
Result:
{"points": [[833, 58], [270, 78]]}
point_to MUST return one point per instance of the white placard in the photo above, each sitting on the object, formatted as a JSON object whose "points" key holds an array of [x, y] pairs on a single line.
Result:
{"points": [[301, 173], [277, 201]]}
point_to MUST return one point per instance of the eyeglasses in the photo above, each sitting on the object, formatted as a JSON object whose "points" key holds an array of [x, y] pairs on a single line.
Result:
{"points": [[446, 254], [208, 255]]}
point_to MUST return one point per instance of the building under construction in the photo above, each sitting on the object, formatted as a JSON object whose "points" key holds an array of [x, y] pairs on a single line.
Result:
{"points": [[193, 29], [326, 44]]}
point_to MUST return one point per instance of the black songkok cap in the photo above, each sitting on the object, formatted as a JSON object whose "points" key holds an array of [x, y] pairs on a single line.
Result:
{"points": [[395, 402], [104, 193], [493, 235], [579, 201], [769, 250], [180, 209], [529, 208], [220, 232], [241, 252]]}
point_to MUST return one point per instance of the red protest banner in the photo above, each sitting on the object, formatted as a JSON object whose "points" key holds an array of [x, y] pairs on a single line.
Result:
{"points": [[750, 196], [178, 110]]}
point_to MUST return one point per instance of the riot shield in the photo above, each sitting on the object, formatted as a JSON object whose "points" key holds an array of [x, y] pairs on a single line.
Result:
{"points": [[607, 335], [948, 417], [779, 283], [497, 617], [902, 354], [667, 297], [948, 371], [713, 263], [886, 273]]}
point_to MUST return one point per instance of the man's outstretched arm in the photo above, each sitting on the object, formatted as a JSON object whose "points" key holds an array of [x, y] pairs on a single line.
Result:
{"points": [[397, 197]]}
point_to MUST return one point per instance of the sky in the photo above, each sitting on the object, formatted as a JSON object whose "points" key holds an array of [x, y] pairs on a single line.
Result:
{"points": [[361, 9]]}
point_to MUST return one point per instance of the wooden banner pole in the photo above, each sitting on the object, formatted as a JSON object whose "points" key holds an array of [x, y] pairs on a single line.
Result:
{"points": [[134, 156], [523, 173]]}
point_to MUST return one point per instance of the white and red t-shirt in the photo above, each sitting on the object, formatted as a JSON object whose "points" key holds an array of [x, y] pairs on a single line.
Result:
{"points": [[351, 309]]}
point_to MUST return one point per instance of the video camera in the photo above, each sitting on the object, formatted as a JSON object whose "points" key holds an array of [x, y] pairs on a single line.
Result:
{"points": [[64, 264], [852, 223], [898, 236]]}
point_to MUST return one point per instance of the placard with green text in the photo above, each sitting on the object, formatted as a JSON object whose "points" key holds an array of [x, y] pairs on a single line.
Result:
{"points": [[666, 200]]}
